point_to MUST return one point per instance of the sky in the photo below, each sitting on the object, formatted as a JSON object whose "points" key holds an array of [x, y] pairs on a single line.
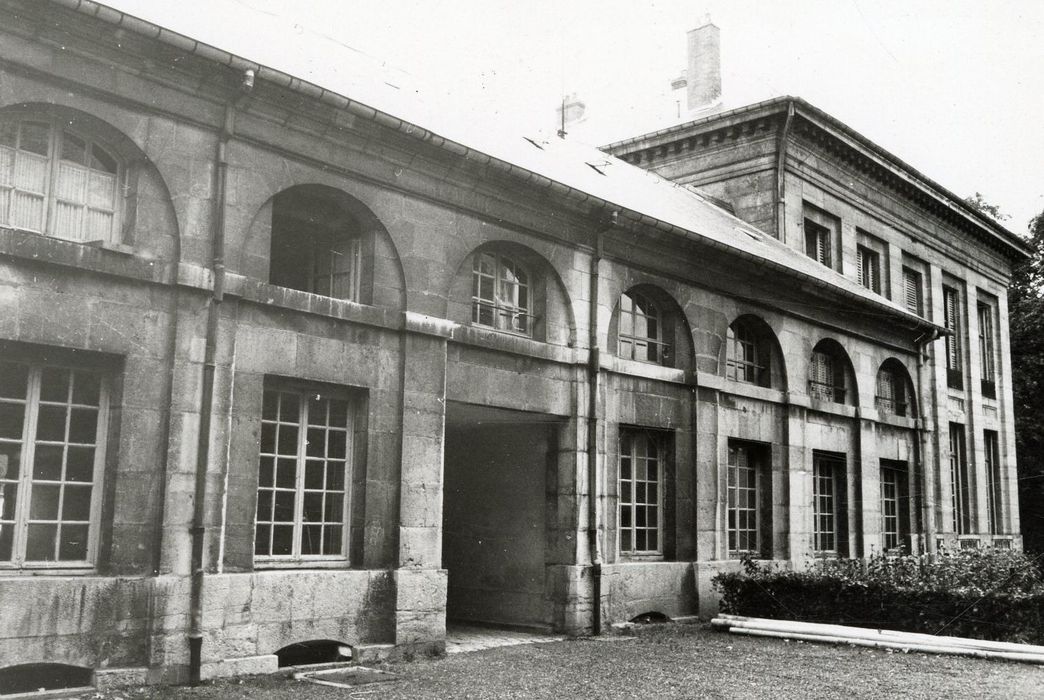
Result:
{"points": [[953, 87]]}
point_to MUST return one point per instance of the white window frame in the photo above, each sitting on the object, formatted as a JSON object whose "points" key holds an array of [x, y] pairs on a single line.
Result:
{"points": [[893, 505], [632, 304], [509, 314], [659, 443], [50, 195], [744, 501], [743, 361], [25, 481], [826, 505], [987, 353], [296, 558], [961, 496]]}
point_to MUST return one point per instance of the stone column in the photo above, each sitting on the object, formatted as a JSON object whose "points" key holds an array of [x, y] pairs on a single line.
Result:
{"points": [[420, 582]]}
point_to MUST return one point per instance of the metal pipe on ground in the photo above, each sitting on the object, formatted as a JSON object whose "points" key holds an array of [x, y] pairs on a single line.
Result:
{"points": [[899, 646], [822, 631]]}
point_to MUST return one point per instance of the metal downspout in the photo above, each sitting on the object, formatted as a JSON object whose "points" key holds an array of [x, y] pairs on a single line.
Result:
{"points": [[781, 185], [927, 509], [593, 390], [198, 529]]}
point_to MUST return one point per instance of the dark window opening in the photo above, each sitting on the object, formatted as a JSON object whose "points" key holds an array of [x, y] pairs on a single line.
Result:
{"points": [[952, 321], [316, 244], [829, 504], [828, 373], [29, 678]]}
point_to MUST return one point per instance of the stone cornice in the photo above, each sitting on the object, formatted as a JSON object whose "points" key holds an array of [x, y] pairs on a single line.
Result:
{"points": [[838, 140]]}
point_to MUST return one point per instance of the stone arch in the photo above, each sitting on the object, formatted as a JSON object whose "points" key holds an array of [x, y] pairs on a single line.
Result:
{"points": [[376, 275], [551, 310], [831, 376], [676, 332], [145, 216], [768, 367]]}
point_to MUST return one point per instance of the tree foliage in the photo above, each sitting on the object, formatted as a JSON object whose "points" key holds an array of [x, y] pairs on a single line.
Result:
{"points": [[1026, 328], [977, 201]]}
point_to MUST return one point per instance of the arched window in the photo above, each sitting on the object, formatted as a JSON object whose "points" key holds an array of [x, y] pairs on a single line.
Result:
{"points": [[744, 362], [57, 180], [828, 373], [316, 243], [500, 294], [751, 353], [641, 330], [893, 393]]}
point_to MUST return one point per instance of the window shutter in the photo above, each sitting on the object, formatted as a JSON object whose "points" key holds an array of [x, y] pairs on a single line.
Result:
{"points": [[912, 291], [860, 271]]}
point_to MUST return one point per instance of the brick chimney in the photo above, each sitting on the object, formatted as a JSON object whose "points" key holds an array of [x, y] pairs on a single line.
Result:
{"points": [[702, 78]]}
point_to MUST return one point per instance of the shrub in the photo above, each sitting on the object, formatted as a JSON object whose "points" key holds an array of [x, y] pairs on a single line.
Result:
{"points": [[980, 593]]}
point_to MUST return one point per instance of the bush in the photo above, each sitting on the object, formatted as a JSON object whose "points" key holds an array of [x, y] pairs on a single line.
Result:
{"points": [[980, 593]]}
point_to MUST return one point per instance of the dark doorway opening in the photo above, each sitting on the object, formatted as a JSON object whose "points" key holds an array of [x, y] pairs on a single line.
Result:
{"points": [[494, 525]]}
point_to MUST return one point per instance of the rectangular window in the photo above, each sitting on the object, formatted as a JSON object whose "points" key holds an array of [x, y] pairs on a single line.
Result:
{"points": [[994, 503], [52, 444], [912, 291], [829, 512], [817, 242], [895, 506], [868, 268], [303, 475], [986, 355], [827, 378], [952, 321], [749, 500], [641, 492], [960, 487]]}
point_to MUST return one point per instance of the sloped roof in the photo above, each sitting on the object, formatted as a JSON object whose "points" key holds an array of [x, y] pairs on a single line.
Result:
{"points": [[357, 82]]}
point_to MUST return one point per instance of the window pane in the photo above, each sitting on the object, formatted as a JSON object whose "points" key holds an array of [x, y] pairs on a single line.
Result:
{"points": [[83, 426], [333, 536], [80, 464], [50, 423], [34, 138], [44, 503], [76, 503], [73, 543], [74, 149], [40, 543], [14, 380], [10, 496], [311, 539], [47, 464], [11, 417], [86, 388], [282, 540]]}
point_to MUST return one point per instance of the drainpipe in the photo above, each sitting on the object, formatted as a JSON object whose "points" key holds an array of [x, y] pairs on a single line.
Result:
{"points": [[927, 509], [198, 529], [781, 186], [594, 375]]}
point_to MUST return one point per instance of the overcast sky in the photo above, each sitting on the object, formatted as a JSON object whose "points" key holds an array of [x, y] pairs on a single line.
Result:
{"points": [[953, 87]]}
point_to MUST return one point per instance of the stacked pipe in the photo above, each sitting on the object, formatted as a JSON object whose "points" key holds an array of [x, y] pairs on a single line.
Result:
{"points": [[878, 639]]}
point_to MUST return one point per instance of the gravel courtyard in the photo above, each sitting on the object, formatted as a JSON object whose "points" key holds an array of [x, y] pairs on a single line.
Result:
{"points": [[675, 661]]}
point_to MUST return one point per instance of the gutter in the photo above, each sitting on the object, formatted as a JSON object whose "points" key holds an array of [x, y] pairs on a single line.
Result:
{"points": [[324, 96], [207, 399], [594, 376]]}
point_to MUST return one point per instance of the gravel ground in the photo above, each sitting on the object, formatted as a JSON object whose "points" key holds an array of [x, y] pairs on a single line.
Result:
{"points": [[673, 661]]}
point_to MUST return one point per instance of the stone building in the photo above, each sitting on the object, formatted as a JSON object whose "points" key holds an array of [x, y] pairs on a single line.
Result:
{"points": [[281, 367]]}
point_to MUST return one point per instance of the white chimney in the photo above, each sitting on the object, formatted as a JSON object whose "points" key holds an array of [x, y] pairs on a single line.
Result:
{"points": [[702, 77]]}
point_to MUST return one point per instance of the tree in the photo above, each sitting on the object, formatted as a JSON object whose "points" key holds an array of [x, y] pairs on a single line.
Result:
{"points": [[1026, 329], [979, 202]]}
